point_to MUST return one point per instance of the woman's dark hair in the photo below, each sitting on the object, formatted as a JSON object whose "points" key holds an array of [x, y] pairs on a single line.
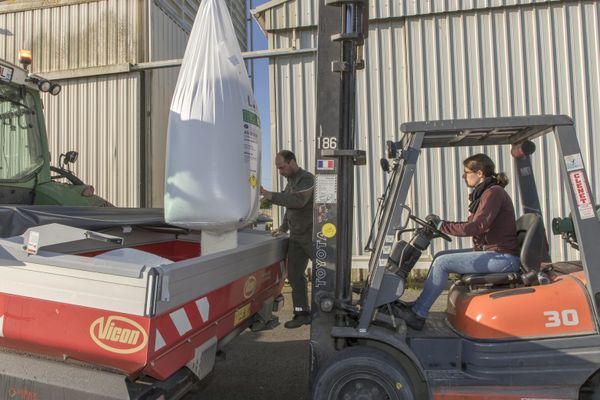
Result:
{"points": [[481, 162], [287, 156]]}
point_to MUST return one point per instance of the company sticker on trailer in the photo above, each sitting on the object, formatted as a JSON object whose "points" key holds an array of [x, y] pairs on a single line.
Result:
{"points": [[582, 194], [118, 334]]}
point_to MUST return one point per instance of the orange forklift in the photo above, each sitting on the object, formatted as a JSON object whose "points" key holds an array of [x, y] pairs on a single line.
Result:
{"points": [[527, 335]]}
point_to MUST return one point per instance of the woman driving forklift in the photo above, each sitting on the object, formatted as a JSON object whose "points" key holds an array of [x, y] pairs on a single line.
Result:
{"points": [[491, 224]]}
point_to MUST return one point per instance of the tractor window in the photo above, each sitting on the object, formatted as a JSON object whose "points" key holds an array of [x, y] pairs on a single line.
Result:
{"points": [[20, 143]]}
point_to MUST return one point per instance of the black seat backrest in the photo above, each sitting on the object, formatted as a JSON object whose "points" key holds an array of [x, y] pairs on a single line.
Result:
{"points": [[533, 244]]}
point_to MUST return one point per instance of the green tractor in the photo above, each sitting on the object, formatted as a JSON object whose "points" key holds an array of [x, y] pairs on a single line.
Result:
{"points": [[26, 176]]}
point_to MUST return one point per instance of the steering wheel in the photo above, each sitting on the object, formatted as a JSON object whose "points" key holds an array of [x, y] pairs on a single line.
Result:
{"points": [[432, 228]]}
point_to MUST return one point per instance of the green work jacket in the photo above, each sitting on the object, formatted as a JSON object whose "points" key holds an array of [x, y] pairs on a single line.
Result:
{"points": [[297, 198]]}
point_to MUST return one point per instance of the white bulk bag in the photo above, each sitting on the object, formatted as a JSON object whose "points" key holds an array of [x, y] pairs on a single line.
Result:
{"points": [[214, 136]]}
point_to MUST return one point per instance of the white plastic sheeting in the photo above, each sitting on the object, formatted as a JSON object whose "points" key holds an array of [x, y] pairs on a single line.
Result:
{"points": [[213, 143]]}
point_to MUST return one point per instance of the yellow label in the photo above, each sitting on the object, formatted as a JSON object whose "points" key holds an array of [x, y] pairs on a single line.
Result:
{"points": [[118, 334], [329, 230], [241, 314], [252, 181]]}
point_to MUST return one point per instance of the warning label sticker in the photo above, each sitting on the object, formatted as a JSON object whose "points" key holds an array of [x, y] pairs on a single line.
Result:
{"points": [[326, 188], [582, 194], [574, 162]]}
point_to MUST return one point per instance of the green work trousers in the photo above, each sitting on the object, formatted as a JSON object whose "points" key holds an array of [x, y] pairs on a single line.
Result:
{"points": [[297, 259]]}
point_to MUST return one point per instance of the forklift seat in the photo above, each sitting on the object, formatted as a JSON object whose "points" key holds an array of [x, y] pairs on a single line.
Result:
{"points": [[533, 251]]}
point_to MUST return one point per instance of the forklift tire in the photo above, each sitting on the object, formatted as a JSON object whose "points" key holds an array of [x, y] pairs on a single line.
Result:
{"points": [[363, 373]]}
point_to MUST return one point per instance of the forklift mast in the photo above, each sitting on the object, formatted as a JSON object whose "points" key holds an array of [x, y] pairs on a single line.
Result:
{"points": [[343, 26]]}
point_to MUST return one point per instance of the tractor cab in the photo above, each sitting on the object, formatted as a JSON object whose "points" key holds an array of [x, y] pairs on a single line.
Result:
{"points": [[26, 176]]}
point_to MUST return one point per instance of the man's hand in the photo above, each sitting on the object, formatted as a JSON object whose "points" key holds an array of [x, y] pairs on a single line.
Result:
{"points": [[276, 232], [265, 193]]}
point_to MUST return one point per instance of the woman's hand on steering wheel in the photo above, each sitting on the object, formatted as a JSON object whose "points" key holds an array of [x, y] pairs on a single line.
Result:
{"points": [[431, 227]]}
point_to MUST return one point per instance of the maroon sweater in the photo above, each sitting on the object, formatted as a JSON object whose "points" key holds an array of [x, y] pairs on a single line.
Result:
{"points": [[492, 226]]}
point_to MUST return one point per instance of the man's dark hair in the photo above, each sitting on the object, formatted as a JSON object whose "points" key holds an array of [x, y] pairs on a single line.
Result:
{"points": [[287, 156]]}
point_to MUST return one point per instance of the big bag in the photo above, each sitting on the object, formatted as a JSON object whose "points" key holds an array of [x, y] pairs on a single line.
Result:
{"points": [[214, 135]]}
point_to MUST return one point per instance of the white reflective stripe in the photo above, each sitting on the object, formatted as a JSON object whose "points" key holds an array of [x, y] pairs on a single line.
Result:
{"points": [[203, 308], [181, 321], [2, 326], [159, 343]]}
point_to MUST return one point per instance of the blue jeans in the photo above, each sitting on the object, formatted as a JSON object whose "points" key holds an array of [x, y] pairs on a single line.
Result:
{"points": [[460, 262]]}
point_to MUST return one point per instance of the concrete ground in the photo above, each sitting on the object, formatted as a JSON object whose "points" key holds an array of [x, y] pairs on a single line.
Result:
{"points": [[269, 365]]}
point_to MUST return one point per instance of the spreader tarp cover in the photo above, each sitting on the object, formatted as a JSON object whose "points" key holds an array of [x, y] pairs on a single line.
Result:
{"points": [[15, 220]]}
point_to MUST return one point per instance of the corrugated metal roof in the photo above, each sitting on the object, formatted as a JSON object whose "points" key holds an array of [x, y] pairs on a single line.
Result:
{"points": [[292, 14]]}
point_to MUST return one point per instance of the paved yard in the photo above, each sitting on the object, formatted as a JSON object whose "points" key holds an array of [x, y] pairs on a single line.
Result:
{"points": [[268, 365]]}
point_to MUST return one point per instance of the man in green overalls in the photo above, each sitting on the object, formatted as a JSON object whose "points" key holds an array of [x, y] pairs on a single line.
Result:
{"points": [[297, 198]]}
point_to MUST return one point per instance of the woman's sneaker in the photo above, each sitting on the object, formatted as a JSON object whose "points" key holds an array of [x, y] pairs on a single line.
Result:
{"points": [[409, 316]]}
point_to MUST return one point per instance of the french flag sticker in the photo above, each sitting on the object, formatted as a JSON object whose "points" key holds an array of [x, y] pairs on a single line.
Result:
{"points": [[325, 165]]}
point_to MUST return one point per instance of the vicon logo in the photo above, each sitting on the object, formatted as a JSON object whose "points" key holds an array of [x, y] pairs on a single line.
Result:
{"points": [[118, 334], [250, 287]]}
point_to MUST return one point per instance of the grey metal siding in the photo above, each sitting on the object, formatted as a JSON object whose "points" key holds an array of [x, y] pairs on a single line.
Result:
{"points": [[497, 59], [168, 41], [183, 13], [237, 10]]}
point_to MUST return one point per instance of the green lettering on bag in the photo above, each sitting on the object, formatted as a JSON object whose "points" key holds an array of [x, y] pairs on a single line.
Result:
{"points": [[251, 118]]}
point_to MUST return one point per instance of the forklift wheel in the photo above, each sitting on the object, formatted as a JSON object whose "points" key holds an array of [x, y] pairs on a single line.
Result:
{"points": [[362, 373]]}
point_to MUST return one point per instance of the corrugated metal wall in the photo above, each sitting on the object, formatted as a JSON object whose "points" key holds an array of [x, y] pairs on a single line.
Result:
{"points": [[168, 42], [237, 10], [183, 14], [98, 117], [450, 60], [105, 130], [70, 36]]}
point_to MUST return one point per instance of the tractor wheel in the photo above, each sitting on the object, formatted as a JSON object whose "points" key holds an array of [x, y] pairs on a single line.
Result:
{"points": [[364, 373]]}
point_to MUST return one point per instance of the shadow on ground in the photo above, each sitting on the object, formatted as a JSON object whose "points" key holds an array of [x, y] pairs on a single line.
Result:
{"points": [[258, 370], [268, 365], [265, 365]]}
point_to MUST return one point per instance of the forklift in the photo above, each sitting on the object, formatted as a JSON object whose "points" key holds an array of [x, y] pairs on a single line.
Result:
{"points": [[531, 334]]}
